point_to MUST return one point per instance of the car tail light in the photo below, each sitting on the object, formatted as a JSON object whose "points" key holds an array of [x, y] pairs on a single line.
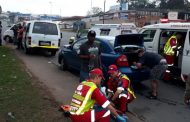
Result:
{"points": [[122, 61], [29, 40]]}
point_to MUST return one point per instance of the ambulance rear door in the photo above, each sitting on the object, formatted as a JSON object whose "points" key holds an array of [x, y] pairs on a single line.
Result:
{"points": [[186, 56]]}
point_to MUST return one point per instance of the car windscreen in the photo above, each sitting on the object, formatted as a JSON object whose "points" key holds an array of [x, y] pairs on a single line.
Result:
{"points": [[45, 28]]}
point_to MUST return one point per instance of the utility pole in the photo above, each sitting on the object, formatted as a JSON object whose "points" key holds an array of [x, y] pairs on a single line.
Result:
{"points": [[91, 13], [0, 9], [50, 7], [60, 11], [91, 4], [104, 10]]}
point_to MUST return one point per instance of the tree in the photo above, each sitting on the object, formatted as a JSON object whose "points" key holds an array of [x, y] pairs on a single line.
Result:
{"points": [[173, 4], [94, 11], [176, 4], [141, 4]]}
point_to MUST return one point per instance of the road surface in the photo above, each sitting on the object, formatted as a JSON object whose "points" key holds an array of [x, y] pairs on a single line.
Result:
{"points": [[61, 84]]}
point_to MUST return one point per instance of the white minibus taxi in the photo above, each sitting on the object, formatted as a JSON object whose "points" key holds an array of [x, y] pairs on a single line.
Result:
{"points": [[41, 34]]}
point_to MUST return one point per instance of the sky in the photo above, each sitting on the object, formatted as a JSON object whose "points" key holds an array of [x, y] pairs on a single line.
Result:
{"points": [[58, 7]]}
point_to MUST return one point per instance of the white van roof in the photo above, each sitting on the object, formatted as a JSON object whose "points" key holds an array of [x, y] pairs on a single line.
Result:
{"points": [[49, 21], [126, 25], [169, 26]]}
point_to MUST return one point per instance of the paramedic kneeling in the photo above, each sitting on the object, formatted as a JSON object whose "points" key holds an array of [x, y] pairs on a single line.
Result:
{"points": [[119, 90], [86, 95]]}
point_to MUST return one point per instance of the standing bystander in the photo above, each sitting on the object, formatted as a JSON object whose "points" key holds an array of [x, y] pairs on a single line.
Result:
{"points": [[19, 36], [15, 29], [0, 34], [90, 55], [157, 65], [187, 91]]}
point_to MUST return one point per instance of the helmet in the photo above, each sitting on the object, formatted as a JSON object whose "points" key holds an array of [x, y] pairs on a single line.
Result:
{"points": [[71, 40]]}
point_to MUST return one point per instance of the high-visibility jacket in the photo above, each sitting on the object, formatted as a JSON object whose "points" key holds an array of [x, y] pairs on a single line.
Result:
{"points": [[129, 86], [113, 86], [81, 101], [168, 48]]}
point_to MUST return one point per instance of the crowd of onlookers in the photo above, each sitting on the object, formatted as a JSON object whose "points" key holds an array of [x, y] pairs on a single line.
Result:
{"points": [[18, 35], [18, 30]]}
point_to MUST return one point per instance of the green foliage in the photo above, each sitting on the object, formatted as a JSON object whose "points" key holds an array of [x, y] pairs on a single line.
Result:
{"points": [[94, 11], [18, 96], [159, 4]]}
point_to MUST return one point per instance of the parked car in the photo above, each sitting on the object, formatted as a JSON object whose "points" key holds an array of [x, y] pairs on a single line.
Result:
{"points": [[120, 50], [8, 35]]}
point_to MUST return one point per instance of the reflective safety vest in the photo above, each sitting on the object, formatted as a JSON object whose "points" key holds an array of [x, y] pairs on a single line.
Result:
{"points": [[81, 101], [129, 88], [168, 49]]}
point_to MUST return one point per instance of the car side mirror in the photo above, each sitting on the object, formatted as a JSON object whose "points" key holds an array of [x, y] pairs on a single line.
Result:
{"points": [[70, 47]]}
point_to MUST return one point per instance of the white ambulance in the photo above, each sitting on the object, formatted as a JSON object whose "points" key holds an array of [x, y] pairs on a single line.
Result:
{"points": [[40, 34], [114, 29], [156, 36]]}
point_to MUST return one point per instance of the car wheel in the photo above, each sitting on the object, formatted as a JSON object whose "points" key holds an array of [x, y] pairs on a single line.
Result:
{"points": [[63, 65], [53, 53], [26, 50], [8, 39]]}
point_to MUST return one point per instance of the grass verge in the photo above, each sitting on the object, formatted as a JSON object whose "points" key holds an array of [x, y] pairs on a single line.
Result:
{"points": [[22, 99]]}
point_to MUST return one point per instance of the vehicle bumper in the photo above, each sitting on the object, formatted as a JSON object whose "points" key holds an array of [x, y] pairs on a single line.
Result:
{"points": [[135, 75], [47, 47]]}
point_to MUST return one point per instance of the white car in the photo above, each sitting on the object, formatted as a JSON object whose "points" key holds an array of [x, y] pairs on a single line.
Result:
{"points": [[8, 35]]}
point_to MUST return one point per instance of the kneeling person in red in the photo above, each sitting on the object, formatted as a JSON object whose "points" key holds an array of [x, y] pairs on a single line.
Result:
{"points": [[119, 89], [86, 95]]}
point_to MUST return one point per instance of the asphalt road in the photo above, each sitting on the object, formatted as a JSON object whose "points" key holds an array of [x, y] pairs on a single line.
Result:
{"points": [[169, 107]]}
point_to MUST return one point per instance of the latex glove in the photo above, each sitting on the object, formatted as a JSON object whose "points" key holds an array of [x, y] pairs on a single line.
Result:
{"points": [[120, 119]]}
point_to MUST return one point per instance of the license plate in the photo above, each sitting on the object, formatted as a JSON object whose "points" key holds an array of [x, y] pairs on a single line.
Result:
{"points": [[44, 43]]}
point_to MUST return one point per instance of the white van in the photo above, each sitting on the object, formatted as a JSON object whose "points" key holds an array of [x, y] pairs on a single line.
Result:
{"points": [[42, 35], [156, 36], [114, 29]]}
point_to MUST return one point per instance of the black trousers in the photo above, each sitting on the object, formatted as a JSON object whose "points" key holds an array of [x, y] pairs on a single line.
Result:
{"points": [[19, 41]]}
